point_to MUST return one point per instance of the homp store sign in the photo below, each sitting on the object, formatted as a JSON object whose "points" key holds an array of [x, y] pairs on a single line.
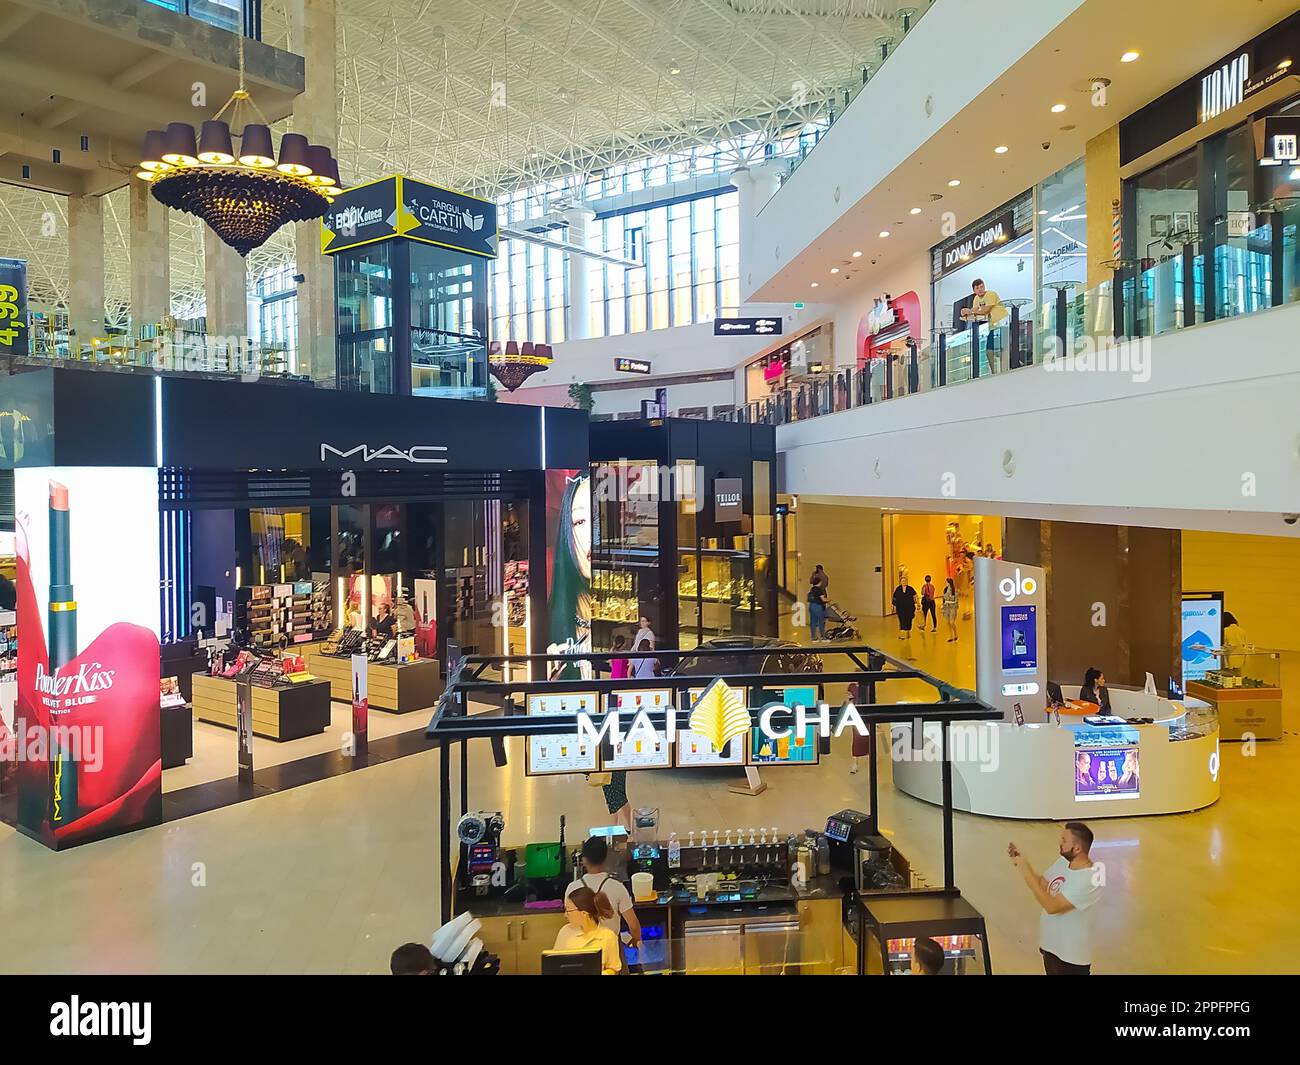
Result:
{"points": [[87, 711]]}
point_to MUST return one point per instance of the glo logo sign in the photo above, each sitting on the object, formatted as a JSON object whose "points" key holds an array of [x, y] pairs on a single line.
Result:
{"points": [[1012, 587]]}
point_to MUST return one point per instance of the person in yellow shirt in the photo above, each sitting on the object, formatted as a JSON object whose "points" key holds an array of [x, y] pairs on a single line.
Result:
{"points": [[584, 909], [987, 306]]}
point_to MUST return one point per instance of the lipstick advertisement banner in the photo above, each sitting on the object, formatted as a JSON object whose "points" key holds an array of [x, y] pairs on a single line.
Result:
{"points": [[87, 716]]}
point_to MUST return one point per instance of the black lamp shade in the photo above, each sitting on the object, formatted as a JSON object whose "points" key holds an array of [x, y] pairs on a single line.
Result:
{"points": [[318, 158], [179, 144], [151, 153], [293, 155], [255, 147], [214, 143]]}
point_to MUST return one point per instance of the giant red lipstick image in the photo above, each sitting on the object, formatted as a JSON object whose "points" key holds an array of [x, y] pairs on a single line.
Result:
{"points": [[63, 607]]}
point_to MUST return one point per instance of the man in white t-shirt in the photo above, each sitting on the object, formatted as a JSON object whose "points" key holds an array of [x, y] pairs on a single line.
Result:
{"points": [[1067, 892], [595, 852]]}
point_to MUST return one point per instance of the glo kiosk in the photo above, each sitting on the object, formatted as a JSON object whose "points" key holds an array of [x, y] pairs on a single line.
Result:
{"points": [[1151, 755]]}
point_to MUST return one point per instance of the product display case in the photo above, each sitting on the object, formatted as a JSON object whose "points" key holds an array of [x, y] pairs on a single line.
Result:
{"points": [[715, 591], [1246, 690], [885, 929]]}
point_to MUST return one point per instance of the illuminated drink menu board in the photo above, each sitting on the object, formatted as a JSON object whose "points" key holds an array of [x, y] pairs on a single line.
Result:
{"points": [[563, 753], [695, 750], [639, 750]]}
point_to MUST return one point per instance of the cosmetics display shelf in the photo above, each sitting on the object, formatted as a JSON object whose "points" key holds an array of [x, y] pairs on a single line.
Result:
{"points": [[278, 713], [398, 688]]}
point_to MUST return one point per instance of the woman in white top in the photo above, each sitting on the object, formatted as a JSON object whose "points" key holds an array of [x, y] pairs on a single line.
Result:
{"points": [[950, 608], [644, 640], [584, 909]]}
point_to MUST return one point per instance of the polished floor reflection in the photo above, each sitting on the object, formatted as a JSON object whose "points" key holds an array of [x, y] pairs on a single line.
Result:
{"points": [[331, 876]]}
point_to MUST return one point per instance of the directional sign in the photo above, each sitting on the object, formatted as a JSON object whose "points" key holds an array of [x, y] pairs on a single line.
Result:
{"points": [[625, 365], [748, 327]]}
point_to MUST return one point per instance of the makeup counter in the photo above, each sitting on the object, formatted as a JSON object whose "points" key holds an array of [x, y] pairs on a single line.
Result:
{"points": [[744, 901], [1151, 755]]}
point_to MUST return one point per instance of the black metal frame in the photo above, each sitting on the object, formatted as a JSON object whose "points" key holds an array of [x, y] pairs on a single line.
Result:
{"points": [[452, 724]]}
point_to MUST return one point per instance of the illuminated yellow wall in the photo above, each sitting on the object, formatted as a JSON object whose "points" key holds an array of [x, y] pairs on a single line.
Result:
{"points": [[1259, 577], [920, 542]]}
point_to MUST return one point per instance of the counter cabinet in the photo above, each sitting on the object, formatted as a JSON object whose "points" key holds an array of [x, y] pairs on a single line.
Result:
{"points": [[278, 713], [398, 689]]}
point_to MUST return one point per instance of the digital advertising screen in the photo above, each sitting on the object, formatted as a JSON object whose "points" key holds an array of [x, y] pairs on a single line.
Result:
{"points": [[1019, 640], [550, 755], [1202, 631], [794, 749], [638, 750], [88, 703], [1102, 773]]}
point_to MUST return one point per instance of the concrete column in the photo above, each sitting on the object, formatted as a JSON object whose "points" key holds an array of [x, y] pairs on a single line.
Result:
{"points": [[85, 270], [225, 283], [577, 325], [150, 258], [314, 36], [756, 185]]}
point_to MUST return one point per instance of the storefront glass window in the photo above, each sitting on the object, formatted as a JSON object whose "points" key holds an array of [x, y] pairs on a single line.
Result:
{"points": [[448, 322], [364, 300], [625, 548]]}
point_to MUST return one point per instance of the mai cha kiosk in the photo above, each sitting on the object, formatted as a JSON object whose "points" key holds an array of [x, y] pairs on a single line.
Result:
{"points": [[1152, 756]]}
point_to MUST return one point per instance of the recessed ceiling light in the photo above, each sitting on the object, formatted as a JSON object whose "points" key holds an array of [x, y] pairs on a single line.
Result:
{"points": [[1042, 212], [857, 255], [1057, 108], [915, 210], [954, 183], [816, 284], [1128, 57], [884, 233], [1284, 65], [835, 269], [1001, 149]]}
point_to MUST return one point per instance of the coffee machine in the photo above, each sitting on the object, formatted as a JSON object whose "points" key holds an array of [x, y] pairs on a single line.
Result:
{"points": [[842, 830]]}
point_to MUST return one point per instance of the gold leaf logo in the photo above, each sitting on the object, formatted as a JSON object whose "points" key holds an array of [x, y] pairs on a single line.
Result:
{"points": [[719, 714]]}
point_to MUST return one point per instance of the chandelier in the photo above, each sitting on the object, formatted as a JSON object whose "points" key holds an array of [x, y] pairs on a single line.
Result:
{"points": [[244, 198], [513, 366]]}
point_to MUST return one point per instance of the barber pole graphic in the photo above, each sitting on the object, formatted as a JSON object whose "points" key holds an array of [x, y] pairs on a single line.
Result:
{"points": [[1116, 230]]}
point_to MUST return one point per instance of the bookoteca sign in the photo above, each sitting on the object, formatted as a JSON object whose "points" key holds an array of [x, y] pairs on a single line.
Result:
{"points": [[403, 207]]}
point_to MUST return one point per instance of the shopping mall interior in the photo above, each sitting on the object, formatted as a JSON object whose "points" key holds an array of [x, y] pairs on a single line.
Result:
{"points": [[705, 487]]}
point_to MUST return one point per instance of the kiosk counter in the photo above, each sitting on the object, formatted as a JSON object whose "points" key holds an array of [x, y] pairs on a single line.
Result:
{"points": [[1077, 769]]}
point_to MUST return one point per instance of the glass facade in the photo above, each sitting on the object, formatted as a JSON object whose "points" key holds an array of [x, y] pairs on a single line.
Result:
{"points": [[448, 293], [277, 318], [364, 317]]}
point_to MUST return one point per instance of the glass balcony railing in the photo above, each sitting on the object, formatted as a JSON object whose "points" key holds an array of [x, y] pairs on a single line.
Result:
{"points": [[903, 22], [229, 15], [1246, 274]]}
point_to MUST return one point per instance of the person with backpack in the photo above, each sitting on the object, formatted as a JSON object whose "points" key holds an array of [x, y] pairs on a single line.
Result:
{"points": [[595, 853]]}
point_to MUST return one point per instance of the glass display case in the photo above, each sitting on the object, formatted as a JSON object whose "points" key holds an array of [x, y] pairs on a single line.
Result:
{"points": [[715, 591], [887, 927], [1245, 691]]}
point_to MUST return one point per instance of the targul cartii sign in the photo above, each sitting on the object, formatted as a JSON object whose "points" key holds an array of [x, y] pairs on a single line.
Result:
{"points": [[87, 713], [447, 218], [403, 207]]}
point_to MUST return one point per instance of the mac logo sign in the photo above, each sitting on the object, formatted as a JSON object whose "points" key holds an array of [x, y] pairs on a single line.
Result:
{"points": [[419, 455]]}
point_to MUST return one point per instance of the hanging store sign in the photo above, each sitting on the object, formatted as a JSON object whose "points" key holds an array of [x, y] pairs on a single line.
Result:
{"points": [[449, 219], [637, 366], [971, 245], [13, 307], [403, 207], [748, 327]]}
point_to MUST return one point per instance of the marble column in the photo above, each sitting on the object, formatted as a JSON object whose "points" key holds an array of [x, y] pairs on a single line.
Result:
{"points": [[314, 36], [150, 258], [85, 270]]}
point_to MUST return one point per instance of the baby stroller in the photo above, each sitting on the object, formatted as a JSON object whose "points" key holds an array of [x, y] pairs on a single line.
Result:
{"points": [[839, 624]]}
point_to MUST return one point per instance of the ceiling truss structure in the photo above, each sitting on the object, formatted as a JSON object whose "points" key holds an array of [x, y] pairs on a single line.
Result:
{"points": [[490, 96]]}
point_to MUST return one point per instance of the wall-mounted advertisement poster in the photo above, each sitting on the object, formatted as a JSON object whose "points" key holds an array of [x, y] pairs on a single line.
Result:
{"points": [[88, 663]]}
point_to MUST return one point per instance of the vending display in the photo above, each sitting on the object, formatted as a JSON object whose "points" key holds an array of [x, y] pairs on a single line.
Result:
{"points": [[565, 753], [640, 750]]}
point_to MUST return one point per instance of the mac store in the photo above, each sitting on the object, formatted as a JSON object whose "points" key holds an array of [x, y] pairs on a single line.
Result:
{"points": [[177, 536]]}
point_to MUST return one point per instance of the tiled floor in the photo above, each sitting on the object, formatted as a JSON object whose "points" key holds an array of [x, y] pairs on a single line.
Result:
{"points": [[331, 876]]}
